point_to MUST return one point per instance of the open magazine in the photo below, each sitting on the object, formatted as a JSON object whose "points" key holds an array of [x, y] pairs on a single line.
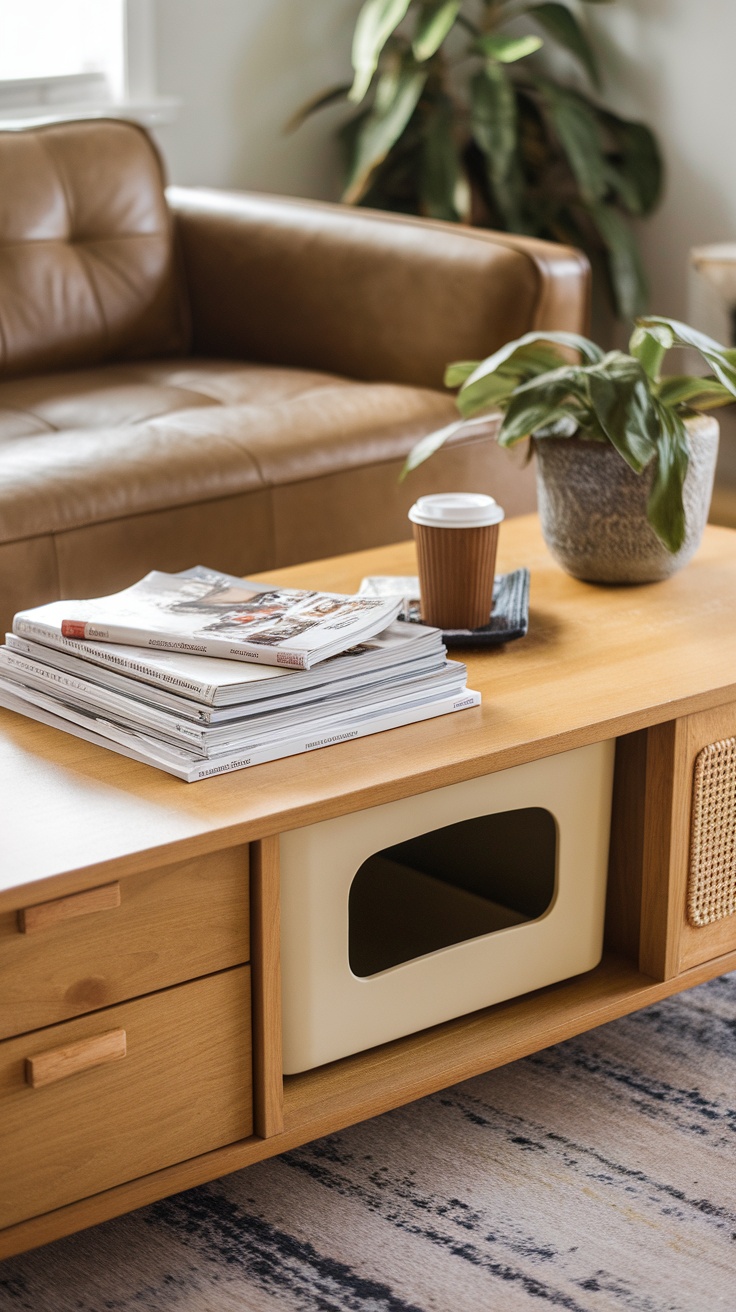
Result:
{"points": [[203, 612]]}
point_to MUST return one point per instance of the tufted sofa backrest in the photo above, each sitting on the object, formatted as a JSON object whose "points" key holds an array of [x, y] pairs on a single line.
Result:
{"points": [[87, 269]]}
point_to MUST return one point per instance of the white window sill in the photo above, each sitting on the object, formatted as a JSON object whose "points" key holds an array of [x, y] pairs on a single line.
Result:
{"points": [[150, 112]]}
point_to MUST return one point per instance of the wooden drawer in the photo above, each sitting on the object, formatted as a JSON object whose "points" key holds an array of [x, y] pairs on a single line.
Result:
{"points": [[183, 1087], [121, 940], [687, 833], [708, 908]]}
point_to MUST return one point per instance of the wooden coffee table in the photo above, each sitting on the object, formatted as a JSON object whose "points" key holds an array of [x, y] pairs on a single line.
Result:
{"points": [[139, 916]]}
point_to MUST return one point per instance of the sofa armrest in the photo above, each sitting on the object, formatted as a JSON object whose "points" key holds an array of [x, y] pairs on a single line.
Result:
{"points": [[362, 293]]}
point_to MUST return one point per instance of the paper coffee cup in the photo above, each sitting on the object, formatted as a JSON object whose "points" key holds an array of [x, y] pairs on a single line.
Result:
{"points": [[456, 535]]}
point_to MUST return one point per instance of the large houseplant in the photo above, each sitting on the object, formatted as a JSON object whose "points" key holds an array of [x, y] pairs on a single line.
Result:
{"points": [[461, 114], [625, 456]]}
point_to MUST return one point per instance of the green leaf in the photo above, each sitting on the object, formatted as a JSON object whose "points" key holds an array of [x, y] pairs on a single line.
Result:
{"points": [[665, 509], [441, 168], [317, 102], [526, 363], [625, 409], [721, 360], [627, 275], [456, 373], [427, 446], [649, 346], [377, 20], [696, 393], [507, 49], [493, 113], [493, 125], [494, 390], [637, 173], [434, 22], [579, 134], [490, 380], [562, 24], [555, 404], [381, 128], [524, 419], [622, 189]]}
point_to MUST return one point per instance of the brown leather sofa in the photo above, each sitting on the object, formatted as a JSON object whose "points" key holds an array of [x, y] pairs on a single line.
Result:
{"points": [[229, 379]]}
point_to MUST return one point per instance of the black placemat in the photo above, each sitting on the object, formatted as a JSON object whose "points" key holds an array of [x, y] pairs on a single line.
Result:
{"points": [[509, 620]]}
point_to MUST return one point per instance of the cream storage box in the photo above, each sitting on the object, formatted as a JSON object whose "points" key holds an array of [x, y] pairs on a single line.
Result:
{"points": [[406, 915]]}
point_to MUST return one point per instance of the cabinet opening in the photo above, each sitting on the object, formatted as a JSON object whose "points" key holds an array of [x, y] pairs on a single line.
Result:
{"points": [[457, 883]]}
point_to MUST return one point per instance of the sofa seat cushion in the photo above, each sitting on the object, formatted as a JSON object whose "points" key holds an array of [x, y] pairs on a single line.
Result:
{"points": [[108, 444]]}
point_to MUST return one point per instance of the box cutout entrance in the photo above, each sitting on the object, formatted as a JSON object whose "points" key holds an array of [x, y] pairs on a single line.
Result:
{"points": [[457, 883]]}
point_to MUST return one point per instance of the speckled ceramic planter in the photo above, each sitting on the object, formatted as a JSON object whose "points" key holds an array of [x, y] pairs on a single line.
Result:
{"points": [[593, 508]]}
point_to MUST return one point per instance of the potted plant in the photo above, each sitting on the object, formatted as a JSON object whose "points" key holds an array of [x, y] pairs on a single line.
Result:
{"points": [[625, 456], [488, 112]]}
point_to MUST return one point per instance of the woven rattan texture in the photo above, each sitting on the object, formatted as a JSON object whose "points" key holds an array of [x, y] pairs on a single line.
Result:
{"points": [[711, 893]]}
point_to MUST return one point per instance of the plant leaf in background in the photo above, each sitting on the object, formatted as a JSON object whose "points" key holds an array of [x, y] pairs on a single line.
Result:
{"points": [[637, 166], [579, 133], [434, 22], [493, 124], [507, 49], [396, 99], [562, 24], [441, 172], [325, 98], [627, 275], [377, 21], [496, 135]]}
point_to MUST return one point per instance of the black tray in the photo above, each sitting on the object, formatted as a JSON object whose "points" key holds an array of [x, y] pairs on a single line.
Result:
{"points": [[509, 620]]}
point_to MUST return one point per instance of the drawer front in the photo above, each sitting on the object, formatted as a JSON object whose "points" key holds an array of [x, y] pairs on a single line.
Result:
{"points": [[76, 954], [112, 1096], [708, 927]]}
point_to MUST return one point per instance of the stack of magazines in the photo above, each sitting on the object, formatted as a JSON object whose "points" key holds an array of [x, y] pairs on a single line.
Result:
{"points": [[200, 673]]}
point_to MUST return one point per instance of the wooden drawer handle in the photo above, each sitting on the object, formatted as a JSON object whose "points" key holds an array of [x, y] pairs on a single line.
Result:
{"points": [[59, 1063], [45, 914]]}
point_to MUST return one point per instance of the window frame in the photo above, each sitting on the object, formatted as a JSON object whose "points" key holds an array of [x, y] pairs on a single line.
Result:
{"points": [[25, 101]]}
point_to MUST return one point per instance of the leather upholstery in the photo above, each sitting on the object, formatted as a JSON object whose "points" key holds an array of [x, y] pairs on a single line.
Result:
{"points": [[319, 338], [363, 293], [86, 254], [177, 445]]}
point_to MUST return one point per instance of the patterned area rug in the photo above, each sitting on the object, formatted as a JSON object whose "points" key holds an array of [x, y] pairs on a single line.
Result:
{"points": [[598, 1176]]}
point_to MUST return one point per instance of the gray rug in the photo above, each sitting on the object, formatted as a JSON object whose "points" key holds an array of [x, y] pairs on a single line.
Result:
{"points": [[598, 1176]]}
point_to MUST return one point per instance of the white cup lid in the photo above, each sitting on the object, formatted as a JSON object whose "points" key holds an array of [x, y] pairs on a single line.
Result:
{"points": [[456, 510]]}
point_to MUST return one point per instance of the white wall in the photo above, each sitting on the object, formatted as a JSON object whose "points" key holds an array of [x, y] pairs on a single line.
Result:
{"points": [[241, 68], [673, 64]]}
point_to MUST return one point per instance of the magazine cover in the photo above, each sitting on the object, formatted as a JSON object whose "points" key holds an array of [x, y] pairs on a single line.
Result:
{"points": [[211, 614]]}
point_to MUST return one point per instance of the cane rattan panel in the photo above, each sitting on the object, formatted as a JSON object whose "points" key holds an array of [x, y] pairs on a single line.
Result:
{"points": [[712, 879]]}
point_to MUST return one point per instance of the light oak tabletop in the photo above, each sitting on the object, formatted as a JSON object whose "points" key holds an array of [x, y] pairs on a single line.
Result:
{"points": [[597, 662]]}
